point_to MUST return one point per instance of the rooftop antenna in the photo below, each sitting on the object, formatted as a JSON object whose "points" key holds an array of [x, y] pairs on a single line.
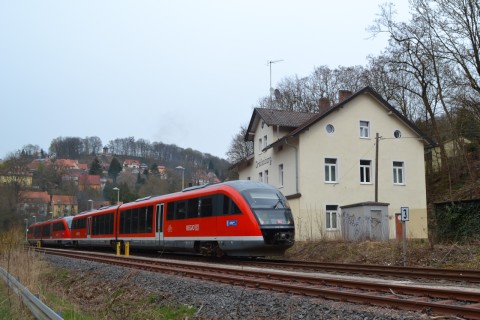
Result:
{"points": [[269, 63]]}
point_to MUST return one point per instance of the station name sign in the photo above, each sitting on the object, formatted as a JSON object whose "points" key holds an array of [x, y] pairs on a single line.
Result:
{"points": [[263, 162]]}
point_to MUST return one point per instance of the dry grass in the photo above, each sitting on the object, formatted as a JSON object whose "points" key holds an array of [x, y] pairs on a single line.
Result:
{"points": [[419, 253], [24, 266]]}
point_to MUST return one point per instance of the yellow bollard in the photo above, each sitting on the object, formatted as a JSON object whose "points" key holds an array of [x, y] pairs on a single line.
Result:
{"points": [[39, 244], [119, 246], [127, 249]]}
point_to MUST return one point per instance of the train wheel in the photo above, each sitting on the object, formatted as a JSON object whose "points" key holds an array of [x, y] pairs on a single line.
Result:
{"points": [[211, 249]]}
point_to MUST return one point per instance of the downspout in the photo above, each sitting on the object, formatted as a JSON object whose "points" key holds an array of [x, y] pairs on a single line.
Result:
{"points": [[296, 165]]}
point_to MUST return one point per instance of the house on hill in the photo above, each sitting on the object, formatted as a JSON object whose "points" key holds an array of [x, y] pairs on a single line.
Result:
{"points": [[360, 154], [89, 181], [64, 205], [33, 203], [131, 164]]}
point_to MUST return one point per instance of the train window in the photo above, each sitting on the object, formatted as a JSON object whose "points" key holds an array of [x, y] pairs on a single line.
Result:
{"points": [[79, 223], [126, 221], [170, 210], [260, 198], [102, 224], [46, 231], [109, 229], [38, 232], [58, 226], [229, 207], [206, 206], [192, 211], [180, 210], [135, 219], [148, 219]]}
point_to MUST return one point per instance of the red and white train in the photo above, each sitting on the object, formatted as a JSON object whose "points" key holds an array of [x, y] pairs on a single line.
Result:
{"points": [[51, 233], [236, 218]]}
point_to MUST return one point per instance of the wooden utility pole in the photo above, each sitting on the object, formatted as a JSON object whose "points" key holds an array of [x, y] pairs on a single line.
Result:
{"points": [[377, 139]]}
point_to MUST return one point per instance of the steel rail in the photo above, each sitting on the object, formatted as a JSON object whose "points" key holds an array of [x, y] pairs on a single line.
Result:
{"points": [[394, 271], [442, 301]]}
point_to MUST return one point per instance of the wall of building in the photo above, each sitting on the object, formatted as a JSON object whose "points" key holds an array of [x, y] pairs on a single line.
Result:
{"points": [[348, 148]]}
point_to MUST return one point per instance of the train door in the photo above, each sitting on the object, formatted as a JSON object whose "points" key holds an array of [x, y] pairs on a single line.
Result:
{"points": [[159, 222], [89, 227]]}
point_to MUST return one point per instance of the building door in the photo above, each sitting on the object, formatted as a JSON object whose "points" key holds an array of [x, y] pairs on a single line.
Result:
{"points": [[398, 226]]}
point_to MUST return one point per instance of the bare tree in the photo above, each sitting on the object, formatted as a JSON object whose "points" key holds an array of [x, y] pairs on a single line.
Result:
{"points": [[239, 148]]}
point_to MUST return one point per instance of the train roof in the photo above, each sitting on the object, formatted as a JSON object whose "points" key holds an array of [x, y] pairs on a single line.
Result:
{"points": [[239, 185]]}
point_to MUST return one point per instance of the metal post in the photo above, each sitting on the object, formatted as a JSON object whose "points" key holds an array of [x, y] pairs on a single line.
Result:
{"points": [[404, 237], [127, 248]]}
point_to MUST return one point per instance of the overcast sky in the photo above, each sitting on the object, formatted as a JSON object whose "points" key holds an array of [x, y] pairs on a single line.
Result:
{"points": [[178, 72]]}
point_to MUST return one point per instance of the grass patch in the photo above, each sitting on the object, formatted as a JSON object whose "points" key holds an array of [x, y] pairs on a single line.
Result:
{"points": [[88, 295], [11, 307]]}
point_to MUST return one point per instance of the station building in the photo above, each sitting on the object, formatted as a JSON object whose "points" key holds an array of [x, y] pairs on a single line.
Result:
{"points": [[347, 171]]}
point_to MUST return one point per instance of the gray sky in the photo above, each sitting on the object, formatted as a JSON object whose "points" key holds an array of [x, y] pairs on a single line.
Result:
{"points": [[178, 72]]}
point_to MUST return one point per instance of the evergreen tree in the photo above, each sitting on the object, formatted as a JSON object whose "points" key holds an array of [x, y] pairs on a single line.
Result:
{"points": [[114, 169], [95, 167]]}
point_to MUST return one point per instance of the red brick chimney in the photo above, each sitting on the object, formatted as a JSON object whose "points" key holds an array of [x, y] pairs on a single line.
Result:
{"points": [[323, 105], [343, 95]]}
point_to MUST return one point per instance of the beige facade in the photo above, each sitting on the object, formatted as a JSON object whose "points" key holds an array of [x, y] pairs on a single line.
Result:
{"points": [[329, 161]]}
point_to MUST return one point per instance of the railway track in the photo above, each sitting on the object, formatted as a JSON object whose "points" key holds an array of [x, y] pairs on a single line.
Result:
{"points": [[460, 302], [379, 270]]}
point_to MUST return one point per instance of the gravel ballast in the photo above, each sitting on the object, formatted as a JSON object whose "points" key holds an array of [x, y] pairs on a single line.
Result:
{"points": [[223, 301]]}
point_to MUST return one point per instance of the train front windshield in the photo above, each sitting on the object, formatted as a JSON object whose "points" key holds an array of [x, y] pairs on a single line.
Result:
{"points": [[270, 207]]}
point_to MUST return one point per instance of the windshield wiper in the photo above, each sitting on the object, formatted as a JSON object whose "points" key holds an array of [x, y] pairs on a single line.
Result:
{"points": [[276, 204]]}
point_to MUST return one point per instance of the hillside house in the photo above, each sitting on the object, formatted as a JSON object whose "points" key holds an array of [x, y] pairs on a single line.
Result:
{"points": [[64, 205], [33, 203], [89, 181], [360, 150]]}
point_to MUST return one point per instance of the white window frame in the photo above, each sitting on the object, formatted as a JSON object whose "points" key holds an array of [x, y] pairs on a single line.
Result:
{"points": [[280, 175], [265, 144], [265, 176], [331, 217], [330, 169], [260, 145], [398, 172], [366, 172], [364, 129], [260, 177]]}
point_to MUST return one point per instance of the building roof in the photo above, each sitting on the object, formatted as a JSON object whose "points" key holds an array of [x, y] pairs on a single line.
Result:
{"points": [[129, 162], [35, 196], [367, 90], [89, 179], [63, 200], [273, 117]]}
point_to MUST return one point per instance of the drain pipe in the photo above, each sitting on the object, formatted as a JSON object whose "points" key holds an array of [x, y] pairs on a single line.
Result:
{"points": [[296, 164]]}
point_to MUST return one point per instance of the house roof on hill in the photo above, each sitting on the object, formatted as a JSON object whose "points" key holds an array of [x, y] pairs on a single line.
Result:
{"points": [[35, 196]]}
